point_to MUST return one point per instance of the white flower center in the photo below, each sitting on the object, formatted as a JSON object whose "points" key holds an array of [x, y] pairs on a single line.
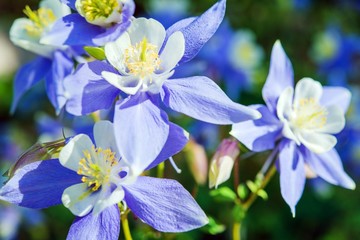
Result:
{"points": [[99, 11], [96, 167], [142, 59], [40, 20], [308, 114]]}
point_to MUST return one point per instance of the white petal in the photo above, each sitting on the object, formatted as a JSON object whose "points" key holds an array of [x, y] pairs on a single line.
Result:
{"points": [[335, 120], [20, 37], [79, 200], [151, 29], [173, 52], [127, 84], [307, 88], [284, 103], [73, 152], [103, 202], [104, 136], [225, 169], [317, 142], [59, 9], [114, 51], [158, 81]]}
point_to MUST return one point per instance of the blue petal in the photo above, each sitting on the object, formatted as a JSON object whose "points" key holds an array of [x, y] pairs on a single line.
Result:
{"points": [[70, 3], [27, 76], [201, 98], [164, 204], [88, 91], [329, 167], [197, 31], [261, 134], [175, 142], [336, 96], [105, 226], [141, 130], [39, 184], [280, 76], [72, 30], [110, 34], [292, 173], [61, 67]]}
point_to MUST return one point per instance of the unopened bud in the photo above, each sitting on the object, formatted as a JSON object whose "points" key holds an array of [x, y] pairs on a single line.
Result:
{"points": [[222, 162]]}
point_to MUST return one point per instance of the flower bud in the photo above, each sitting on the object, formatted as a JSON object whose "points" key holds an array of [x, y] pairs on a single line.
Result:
{"points": [[222, 162]]}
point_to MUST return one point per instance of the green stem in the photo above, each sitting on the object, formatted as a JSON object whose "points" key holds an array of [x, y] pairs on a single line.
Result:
{"points": [[246, 205], [236, 231], [125, 226], [160, 170]]}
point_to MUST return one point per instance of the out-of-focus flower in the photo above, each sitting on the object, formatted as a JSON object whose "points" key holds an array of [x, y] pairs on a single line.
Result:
{"points": [[53, 64], [197, 161], [299, 127], [95, 22], [334, 52], [222, 162]]}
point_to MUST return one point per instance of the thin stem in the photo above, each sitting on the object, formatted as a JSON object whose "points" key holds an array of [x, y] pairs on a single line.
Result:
{"points": [[254, 195], [125, 226], [236, 231], [236, 174]]}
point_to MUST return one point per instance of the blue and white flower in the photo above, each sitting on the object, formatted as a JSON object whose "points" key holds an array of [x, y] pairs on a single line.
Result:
{"points": [[93, 23], [90, 179], [53, 64], [299, 126], [140, 64]]}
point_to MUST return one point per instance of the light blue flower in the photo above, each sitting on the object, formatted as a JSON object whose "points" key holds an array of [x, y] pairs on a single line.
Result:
{"points": [[53, 64], [90, 179], [140, 64], [95, 22], [299, 126]]}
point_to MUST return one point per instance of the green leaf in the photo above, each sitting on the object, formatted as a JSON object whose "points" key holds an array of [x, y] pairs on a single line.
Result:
{"points": [[242, 191], [213, 227], [252, 186], [261, 193], [223, 194], [96, 52]]}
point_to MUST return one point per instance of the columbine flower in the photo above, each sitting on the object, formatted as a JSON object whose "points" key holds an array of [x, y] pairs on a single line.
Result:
{"points": [[140, 64], [334, 53], [299, 126], [92, 178], [222, 162], [53, 64], [95, 23]]}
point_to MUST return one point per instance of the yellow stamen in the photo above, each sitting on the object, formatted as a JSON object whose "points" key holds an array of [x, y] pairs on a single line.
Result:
{"points": [[309, 114], [96, 167], [40, 20], [93, 9], [142, 59]]}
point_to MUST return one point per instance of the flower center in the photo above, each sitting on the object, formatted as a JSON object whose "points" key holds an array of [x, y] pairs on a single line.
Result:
{"points": [[94, 9], [96, 167], [309, 114], [142, 59], [40, 20]]}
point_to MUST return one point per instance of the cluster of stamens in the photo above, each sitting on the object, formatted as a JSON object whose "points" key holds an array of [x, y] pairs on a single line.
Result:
{"points": [[142, 59], [93, 9], [96, 167], [40, 20], [309, 114]]}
